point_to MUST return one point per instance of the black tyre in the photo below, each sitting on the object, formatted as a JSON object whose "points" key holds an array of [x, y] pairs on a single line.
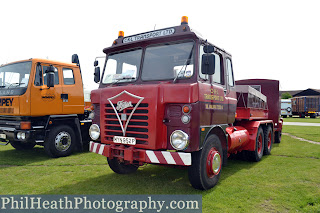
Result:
{"points": [[120, 167], [18, 145], [277, 136], [204, 173], [60, 142], [256, 155], [268, 140]]}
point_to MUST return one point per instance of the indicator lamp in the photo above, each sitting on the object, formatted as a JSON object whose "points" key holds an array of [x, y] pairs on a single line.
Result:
{"points": [[186, 109]]}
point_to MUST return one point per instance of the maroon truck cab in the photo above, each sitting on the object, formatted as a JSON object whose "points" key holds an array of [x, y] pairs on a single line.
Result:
{"points": [[169, 97]]}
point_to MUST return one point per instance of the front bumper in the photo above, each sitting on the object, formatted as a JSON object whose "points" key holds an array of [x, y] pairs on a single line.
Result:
{"points": [[131, 154], [10, 134]]}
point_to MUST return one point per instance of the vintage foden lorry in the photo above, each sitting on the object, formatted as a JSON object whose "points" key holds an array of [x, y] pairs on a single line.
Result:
{"points": [[169, 97]]}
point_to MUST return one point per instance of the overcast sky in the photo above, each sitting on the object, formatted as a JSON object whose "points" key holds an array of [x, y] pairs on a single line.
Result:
{"points": [[267, 39]]}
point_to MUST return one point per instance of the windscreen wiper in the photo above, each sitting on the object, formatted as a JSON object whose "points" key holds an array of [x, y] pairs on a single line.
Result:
{"points": [[15, 84], [123, 78], [186, 63]]}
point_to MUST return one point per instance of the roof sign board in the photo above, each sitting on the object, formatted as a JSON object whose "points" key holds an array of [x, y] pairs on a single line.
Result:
{"points": [[153, 34]]}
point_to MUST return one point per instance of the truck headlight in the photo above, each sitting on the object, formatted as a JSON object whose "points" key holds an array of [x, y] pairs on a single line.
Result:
{"points": [[94, 132], [179, 140]]}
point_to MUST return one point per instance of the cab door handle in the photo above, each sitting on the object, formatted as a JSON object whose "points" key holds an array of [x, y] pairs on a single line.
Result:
{"points": [[64, 97]]}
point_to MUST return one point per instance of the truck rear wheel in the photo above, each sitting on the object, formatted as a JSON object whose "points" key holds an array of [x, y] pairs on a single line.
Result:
{"points": [[277, 136], [256, 155], [60, 141], [205, 170], [18, 145], [120, 167], [268, 140]]}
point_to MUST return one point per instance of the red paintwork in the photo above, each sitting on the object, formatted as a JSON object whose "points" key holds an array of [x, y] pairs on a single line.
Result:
{"points": [[238, 137], [251, 114], [212, 105]]}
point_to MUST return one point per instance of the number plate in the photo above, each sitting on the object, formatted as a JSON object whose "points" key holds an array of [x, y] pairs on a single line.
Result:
{"points": [[3, 136], [124, 140]]}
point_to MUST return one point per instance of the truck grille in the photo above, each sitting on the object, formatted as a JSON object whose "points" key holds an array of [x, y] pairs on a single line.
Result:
{"points": [[137, 126]]}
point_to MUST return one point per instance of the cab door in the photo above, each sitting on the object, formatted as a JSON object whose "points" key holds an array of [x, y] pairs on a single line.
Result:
{"points": [[231, 95], [213, 91], [44, 100], [72, 91]]}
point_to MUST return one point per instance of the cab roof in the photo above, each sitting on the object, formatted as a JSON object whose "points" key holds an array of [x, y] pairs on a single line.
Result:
{"points": [[47, 61]]}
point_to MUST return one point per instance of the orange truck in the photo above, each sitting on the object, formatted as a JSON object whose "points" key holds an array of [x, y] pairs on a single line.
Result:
{"points": [[42, 103]]}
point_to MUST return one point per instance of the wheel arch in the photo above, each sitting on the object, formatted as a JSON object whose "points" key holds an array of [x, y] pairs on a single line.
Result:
{"points": [[218, 130], [70, 120]]}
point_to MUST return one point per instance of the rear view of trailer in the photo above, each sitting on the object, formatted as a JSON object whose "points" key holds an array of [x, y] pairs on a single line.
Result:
{"points": [[306, 106]]}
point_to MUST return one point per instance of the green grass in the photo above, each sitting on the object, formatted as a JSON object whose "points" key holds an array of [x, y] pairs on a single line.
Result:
{"points": [[307, 132], [286, 181], [305, 120]]}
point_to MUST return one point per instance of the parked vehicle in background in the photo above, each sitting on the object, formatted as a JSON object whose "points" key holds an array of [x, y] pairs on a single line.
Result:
{"points": [[306, 106], [169, 97], [286, 108], [42, 103]]}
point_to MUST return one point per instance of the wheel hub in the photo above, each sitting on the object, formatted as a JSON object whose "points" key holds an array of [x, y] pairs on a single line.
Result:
{"points": [[213, 163], [63, 141]]}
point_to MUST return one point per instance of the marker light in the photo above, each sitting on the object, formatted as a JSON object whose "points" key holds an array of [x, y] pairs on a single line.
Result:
{"points": [[186, 109], [121, 34], [25, 125], [184, 20]]}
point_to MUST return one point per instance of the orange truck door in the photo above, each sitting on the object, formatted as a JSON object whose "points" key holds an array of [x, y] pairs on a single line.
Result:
{"points": [[72, 92], [44, 100]]}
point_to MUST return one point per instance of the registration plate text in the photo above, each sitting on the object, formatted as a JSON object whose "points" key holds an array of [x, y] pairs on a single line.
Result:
{"points": [[124, 140]]}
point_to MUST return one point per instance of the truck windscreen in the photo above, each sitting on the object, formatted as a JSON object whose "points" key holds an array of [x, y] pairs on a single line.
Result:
{"points": [[166, 61], [161, 62], [122, 67], [15, 75]]}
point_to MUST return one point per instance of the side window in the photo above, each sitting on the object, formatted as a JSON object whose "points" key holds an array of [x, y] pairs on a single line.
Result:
{"points": [[217, 76], [41, 75], [230, 73], [68, 78], [38, 77]]}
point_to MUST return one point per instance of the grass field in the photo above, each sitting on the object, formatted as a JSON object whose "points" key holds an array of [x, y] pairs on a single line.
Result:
{"points": [[306, 120], [307, 132], [286, 181]]}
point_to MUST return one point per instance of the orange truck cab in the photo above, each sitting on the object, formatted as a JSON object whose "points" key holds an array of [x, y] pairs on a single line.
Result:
{"points": [[42, 103]]}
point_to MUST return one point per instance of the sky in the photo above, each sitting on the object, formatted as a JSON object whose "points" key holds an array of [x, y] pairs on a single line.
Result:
{"points": [[274, 39]]}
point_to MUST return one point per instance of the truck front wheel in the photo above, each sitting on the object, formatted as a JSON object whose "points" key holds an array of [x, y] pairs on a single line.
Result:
{"points": [[205, 170], [120, 167], [18, 145], [60, 141]]}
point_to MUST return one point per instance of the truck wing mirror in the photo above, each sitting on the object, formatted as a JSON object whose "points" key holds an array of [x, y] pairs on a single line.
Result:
{"points": [[208, 48], [75, 59], [96, 74], [95, 63], [208, 64], [50, 69], [50, 79]]}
